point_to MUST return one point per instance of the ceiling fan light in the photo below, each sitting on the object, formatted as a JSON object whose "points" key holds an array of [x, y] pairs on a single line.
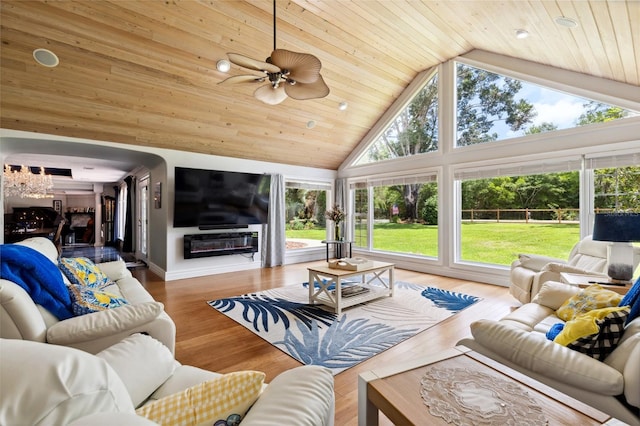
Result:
{"points": [[270, 95], [300, 70]]}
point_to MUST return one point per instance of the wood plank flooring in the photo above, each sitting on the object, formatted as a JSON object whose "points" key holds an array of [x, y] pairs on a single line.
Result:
{"points": [[210, 340]]}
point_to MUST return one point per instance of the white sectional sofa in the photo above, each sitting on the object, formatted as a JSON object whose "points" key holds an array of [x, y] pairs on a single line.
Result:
{"points": [[518, 341], [21, 318], [99, 368]]}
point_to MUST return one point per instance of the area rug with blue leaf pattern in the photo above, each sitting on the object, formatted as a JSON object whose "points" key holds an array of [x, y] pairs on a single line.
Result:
{"points": [[313, 334]]}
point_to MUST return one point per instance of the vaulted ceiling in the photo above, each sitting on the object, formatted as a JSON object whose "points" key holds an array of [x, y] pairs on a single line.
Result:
{"points": [[144, 72]]}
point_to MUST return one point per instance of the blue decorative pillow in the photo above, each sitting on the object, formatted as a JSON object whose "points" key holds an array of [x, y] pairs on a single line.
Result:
{"points": [[85, 300], [82, 271], [632, 299]]}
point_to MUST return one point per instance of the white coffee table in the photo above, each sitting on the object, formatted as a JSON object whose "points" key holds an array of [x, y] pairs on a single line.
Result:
{"points": [[326, 277]]}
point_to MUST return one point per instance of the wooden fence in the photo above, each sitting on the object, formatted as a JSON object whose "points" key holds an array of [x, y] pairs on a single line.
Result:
{"points": [[524, 215]]}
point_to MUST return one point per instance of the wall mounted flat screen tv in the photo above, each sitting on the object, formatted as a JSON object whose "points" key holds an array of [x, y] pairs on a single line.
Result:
{"points": [[212, 198]]}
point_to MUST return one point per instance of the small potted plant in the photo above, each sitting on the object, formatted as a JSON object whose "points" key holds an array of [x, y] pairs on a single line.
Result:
{"points": [[336, 215]]}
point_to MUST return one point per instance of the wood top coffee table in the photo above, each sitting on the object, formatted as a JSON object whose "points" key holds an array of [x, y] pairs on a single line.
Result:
{"points": [[396, 391], [585, 280], [329, 285]]}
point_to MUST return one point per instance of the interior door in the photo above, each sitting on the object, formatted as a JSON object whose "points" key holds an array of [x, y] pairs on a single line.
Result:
{"points": [[142, 219]]}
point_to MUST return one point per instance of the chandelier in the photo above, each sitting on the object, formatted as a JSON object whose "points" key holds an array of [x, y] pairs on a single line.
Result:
{"points": [[25, 184]]}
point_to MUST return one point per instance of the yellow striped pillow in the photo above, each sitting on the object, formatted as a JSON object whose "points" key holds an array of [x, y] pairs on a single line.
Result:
{"points": [[225, 398]]}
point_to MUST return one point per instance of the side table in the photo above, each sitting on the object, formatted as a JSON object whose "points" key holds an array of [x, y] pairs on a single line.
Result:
{"points": [[584, 280], [339, 245]]}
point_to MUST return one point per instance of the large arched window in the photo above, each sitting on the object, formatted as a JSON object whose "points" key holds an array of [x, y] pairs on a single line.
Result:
{"points": [[517, 143]]}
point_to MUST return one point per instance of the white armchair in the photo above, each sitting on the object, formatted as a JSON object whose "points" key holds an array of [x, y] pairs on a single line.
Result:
{"points": [[530, 271]]}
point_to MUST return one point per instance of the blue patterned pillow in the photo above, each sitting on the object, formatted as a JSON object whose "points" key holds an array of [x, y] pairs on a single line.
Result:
{"points": [[85, 300], [82, 271]]}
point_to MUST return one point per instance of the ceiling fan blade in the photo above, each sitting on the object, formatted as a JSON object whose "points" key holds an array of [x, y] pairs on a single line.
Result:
{"points": [[270, 95], [252, 64], [303, 67], [243, 79], [302, 91]]}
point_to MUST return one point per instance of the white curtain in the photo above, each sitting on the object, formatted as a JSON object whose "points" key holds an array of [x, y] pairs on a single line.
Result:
{"points": [[341, 199], [341, 192], [273, 233]]}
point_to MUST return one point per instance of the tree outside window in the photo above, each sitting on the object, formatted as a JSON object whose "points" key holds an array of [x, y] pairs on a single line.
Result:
{"points": [[489, 107]]}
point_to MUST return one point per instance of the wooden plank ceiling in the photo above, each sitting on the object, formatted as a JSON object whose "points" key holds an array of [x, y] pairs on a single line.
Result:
{"points": [[144, 72]]}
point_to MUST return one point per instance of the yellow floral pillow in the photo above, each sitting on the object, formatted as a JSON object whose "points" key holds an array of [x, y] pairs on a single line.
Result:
{"points": [[226, 398], [592, 297], [82, 271]]}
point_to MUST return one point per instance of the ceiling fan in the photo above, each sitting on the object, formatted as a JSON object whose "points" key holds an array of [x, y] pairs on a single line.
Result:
{"points": [[287, 73]]}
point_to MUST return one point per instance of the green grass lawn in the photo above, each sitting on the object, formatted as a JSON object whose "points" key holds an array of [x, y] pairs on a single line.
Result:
{"points": [[501, 243], [406, 238], [498, 243], [310, 234]]}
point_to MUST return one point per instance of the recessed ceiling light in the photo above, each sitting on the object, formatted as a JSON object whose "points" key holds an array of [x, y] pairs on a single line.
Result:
{"points": [[46, 58], [522, 34], [311, 124], [563, 21], [343, 106], [223, 65]]}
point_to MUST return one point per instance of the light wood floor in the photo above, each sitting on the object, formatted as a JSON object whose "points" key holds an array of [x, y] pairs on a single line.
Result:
{"points": [[210, 340]]}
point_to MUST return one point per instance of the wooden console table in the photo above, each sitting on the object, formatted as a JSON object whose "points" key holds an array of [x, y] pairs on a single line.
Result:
{"points": [[395, 391]]}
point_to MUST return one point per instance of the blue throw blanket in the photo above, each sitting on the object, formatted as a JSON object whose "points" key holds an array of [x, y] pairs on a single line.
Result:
{"points": [[38, 276], [632, 299]]}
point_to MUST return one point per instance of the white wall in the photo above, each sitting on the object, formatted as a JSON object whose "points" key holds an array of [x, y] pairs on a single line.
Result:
{"points": [[177, 266]]}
